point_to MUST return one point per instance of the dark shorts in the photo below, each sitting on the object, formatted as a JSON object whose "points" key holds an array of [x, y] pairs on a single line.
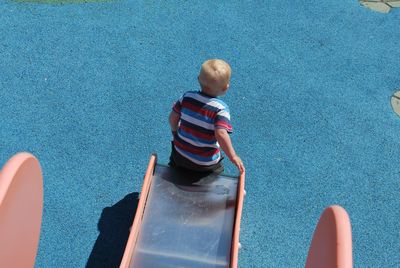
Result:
{"points": [[179, 161]]}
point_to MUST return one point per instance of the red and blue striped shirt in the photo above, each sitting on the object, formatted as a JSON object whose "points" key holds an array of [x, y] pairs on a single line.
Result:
{"points": [[200, 114]]}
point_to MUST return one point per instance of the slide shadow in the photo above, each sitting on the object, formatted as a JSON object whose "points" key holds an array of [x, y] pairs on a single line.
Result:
{"points": [[114, 225]]}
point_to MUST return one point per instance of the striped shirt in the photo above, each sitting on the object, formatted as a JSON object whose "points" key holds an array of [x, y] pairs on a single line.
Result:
{"points": [[200, 115]]}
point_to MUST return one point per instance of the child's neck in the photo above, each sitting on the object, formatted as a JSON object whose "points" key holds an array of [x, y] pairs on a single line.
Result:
{"points": [[207, 92]]}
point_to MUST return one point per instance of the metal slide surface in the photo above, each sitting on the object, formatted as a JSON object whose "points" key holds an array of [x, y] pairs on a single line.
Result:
{"points": [[187, 221]]}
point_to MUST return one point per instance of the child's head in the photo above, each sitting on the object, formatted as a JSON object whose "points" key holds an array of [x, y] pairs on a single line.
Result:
{"points": [[214, 77]]}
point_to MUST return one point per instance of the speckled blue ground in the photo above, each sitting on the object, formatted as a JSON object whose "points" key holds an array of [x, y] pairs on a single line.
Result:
{"points": [[87, 89]]}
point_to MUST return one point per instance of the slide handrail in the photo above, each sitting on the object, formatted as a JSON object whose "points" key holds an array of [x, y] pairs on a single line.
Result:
{"points": [[238, 216], [126, 259]]}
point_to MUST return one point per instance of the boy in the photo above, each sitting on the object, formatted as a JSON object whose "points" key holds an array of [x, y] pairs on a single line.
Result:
{"points": [[200, 123]]}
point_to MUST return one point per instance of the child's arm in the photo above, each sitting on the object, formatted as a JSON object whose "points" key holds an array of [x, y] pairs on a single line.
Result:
{"points": [[225, 142], [174, 121]]}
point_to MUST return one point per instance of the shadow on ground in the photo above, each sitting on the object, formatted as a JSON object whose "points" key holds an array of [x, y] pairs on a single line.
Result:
{"points": [[113, 225]]}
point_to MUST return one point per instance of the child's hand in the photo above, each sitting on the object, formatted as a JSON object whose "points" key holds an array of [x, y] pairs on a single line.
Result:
{"points": [[238, 163]]}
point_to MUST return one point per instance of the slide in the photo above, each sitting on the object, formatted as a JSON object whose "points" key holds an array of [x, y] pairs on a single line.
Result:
{"points": [[185, 220]]}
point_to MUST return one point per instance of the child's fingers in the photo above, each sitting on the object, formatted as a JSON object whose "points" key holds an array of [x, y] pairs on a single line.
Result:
{"points": [[241, 168], [240, 165]]}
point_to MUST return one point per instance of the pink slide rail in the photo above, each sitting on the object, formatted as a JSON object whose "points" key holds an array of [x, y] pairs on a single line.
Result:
{"points": [[139, 213], [21, 204], [331, 246]]}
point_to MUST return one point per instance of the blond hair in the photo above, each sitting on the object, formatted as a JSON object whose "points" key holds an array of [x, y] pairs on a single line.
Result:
{"points": [[214, 76]]}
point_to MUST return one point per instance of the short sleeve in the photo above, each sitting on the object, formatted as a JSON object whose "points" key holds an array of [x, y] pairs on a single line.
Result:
{"points": [[177, 107], [223, 120]]}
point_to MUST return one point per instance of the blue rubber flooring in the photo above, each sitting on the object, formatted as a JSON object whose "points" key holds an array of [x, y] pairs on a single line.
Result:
{"points": [[87, 88]]}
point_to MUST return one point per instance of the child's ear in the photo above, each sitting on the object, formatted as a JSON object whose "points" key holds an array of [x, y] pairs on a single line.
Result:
{"points": [[226, 87]]}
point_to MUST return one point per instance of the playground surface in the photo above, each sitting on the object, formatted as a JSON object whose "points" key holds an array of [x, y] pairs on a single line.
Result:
{"points": [[87, 88]]}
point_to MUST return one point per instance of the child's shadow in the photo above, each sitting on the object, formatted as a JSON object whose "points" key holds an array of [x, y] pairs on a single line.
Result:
{"points": [[114, 225]]}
